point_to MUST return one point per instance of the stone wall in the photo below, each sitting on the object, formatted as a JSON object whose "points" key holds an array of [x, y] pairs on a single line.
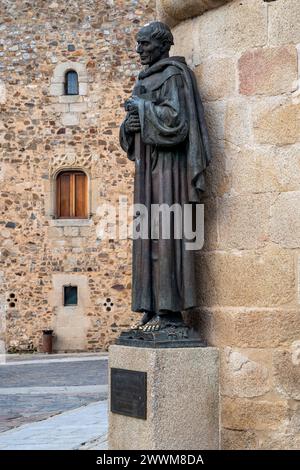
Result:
{"points": [[245, 56], [42, 132]]}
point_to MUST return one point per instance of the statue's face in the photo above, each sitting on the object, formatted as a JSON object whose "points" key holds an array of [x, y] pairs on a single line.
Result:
{"points": [[150, 50]]}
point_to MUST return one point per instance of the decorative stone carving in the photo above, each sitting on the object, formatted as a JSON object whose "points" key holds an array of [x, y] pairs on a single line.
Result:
{"points": [[70, 159]]}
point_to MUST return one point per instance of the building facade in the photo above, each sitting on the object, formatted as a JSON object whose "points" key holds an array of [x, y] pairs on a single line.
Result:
{"points": [[65, 70]]}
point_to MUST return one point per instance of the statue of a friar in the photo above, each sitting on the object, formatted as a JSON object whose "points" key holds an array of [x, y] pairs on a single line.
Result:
{"points": [[164, 132]]}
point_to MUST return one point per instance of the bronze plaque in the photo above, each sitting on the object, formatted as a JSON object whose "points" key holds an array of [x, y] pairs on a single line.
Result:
{"points": [[128, 393]]}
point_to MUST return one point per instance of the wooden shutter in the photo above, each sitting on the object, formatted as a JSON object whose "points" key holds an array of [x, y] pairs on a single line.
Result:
{"points": [[80, 195], [64, 195], [72, 200]]}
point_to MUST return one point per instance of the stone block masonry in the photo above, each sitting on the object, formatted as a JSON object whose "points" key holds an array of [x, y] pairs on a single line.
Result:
{"points": [[246, 58]]}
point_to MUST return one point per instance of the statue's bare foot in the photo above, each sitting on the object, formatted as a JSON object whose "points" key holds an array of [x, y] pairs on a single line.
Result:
{"points": [[146, 318]]}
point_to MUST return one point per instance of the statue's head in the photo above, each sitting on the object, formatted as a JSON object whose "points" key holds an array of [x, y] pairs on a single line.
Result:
{"points": [[154, 41]]}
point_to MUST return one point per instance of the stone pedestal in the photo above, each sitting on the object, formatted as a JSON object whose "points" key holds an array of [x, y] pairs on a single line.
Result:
{"points": [[182, 399]]}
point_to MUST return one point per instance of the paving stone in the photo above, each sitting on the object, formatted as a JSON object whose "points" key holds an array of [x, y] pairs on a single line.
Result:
{"points": [[34, 389], [69, 430]]}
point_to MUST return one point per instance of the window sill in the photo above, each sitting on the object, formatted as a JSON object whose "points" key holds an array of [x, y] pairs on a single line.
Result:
{"points": [[69, 99], [70, 223]]}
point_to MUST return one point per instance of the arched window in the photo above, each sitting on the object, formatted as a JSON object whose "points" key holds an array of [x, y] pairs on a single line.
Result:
{"points": [[71, 195], [71, 83]]}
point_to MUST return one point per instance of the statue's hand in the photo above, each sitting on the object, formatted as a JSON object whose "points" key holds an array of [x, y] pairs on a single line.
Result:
{"points": [[132, 104], [132, 124]]}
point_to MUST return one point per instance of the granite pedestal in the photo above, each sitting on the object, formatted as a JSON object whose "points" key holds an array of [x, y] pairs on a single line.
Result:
{"points": [[182, 399]]}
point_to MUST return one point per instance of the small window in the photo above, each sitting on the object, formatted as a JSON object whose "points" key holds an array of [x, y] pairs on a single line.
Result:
{"points": [[71, 83], [71, 195], [70, 295]]}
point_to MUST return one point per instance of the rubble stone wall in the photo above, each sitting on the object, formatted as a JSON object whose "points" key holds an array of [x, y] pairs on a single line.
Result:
{"points": [[42, 132]]}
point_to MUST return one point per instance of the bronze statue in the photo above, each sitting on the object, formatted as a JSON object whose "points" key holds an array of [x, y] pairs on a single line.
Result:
{"points": [[164, 133]]}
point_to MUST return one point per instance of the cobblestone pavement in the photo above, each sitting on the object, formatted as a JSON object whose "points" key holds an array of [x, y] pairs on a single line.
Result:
{"points": [[54, 372], [35, 388]]}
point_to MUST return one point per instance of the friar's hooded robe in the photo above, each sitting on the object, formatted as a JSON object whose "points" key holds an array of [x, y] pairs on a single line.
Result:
{"points": [[170, 154]]}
